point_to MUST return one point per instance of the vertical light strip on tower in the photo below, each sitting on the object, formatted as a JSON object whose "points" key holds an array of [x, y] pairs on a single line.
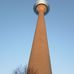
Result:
{"points": [[39, 62]]}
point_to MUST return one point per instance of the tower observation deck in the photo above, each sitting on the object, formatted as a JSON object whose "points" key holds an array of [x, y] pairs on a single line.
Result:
{"points": [[39, 62], [41, 2]]}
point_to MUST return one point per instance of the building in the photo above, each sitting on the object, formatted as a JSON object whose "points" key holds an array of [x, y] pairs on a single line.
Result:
{"points": [[39, 62]]}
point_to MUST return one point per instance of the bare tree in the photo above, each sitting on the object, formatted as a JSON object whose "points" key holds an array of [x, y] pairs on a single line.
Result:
{"points": [[20, 70], [25, 71]]}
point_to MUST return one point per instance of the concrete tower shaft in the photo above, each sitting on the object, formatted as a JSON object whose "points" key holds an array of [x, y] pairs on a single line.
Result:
{"points": [[39, 61]]}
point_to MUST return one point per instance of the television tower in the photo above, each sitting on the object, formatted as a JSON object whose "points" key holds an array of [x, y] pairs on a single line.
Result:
{"points": [[39, 62]]}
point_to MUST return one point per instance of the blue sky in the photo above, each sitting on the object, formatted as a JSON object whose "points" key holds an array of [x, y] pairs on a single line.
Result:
{"points": [[17, 27]]}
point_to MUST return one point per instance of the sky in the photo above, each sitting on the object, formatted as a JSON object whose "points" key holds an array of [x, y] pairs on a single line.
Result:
{"points": [[17, 27]]}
